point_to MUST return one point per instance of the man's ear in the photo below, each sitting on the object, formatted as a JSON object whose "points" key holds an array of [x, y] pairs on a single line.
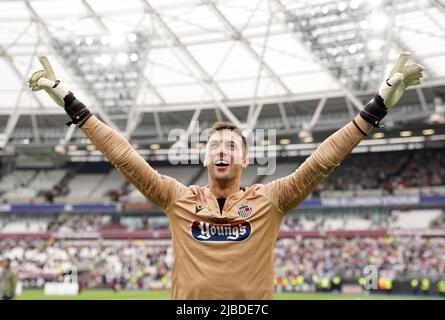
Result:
{"points": [[245, 162]]}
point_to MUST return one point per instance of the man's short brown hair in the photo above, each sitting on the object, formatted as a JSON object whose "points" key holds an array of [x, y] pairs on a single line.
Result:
{"points": [[222, 125]]}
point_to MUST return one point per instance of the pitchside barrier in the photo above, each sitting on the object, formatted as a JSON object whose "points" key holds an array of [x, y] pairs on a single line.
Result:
{"points": [[165, 234], [313, 203]]}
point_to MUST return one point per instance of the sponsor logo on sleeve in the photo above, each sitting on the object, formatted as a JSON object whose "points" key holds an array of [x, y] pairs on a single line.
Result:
{"points": [[227, 232]]}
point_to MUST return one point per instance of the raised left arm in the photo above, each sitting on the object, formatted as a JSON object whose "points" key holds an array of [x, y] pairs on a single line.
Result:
{"points": [[287, 192]]}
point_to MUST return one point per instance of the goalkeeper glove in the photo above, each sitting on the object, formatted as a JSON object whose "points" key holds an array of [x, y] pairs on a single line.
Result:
{"points": [[46, 80], [391, 90]]}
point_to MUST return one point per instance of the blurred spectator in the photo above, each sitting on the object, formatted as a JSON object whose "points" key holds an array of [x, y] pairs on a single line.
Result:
{"points": [[388, 170], [8, 280]]}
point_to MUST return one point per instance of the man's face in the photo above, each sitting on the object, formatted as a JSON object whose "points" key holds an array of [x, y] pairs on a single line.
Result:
{"points": [[225, 158]]}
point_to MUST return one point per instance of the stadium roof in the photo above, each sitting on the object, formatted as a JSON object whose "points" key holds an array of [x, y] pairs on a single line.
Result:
{"points": [[147, 66]]}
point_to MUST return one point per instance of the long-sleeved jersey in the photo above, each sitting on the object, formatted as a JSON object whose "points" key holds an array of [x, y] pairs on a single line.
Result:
{"points": [[228, 254]]}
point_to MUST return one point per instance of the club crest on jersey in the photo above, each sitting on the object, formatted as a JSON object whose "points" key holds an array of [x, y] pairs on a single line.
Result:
{"points": [[244, 210], [227, 232], [198, 208]]}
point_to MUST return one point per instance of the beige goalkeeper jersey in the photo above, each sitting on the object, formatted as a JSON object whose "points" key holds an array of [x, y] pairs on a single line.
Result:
{"points": [[228, 255]]}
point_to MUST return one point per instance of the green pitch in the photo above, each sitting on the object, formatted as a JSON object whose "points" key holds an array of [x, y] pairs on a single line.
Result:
{"points": [[97, 294]]}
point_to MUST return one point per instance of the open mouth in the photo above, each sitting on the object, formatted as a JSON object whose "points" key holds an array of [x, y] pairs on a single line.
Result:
{"points": [[222, 163]]}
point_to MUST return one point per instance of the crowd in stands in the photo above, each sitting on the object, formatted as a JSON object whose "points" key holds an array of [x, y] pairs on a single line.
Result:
{"points": [[98, 222], [439, 222], [388, 171], [329, 222], [426, 168], [97, 264], [56, 191], [69, 223], [77, 223], [401, 258], [140, 264]]}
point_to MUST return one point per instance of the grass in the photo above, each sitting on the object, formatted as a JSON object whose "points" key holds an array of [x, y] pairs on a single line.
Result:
{"points": [[104, 294]]}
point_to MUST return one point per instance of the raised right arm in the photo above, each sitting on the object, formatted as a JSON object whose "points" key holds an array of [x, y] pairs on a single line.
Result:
{"points": [[161, 190]]}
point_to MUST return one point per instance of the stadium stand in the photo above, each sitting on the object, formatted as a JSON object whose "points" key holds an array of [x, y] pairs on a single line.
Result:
{"points": [[415, 174], [403, 169], [143, 264], [415, 219], [404, 242], [112, 181], [81, 188]]}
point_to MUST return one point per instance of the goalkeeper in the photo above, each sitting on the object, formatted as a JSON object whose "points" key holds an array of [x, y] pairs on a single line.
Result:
{"points": [[223, 236]]}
